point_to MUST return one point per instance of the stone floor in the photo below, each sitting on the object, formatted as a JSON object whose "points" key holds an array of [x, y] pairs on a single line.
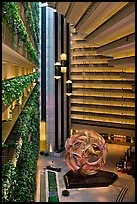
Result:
{"points": [[122, 190]]}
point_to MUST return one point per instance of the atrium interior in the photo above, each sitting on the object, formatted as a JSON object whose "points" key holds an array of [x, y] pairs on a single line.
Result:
{"points": [[66, 67]]}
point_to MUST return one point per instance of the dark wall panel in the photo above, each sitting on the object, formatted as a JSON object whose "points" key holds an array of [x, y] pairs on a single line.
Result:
{"points": [[62, 84], [43, 64], [68, 76]]}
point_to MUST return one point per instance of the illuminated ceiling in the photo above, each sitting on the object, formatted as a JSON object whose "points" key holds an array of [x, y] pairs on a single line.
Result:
{"points": [[109, 26]]}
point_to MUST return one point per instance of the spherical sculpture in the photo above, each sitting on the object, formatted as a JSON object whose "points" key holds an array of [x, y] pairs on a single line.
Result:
{"points": [[85, 152]]}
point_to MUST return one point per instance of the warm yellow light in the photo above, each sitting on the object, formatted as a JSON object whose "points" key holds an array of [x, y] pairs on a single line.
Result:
{"points": [[43, 136], [42, 131], [63, 62], [63, 69], [63, 56]]}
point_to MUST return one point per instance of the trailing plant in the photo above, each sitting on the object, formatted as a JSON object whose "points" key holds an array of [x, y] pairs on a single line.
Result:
{"points": [[35, 13], [9, 181], [31, 22], [11, 17], [13, 88], [28, 120], [18, 149], [24, 186], [27, 163], [4, 145]]}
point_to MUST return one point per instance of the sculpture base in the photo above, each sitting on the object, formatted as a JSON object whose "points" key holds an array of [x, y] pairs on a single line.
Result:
{"points": [[101, 179]]}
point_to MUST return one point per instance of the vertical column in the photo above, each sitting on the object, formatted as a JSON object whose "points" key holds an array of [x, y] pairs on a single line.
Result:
{"points": [[43, 64], [59, 82], [68, 76], [56, 81], [65, 79], [43, 79], [62, 83], [50, 81]]}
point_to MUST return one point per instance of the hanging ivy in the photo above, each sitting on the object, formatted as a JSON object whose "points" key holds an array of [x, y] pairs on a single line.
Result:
{"points": [[11, 17], [35, 13], [19, 183], [32, 23], [13, 88], [9, 180]]}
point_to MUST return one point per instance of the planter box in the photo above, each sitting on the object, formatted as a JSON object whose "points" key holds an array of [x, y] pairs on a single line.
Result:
{"points": [[53, 168], [53, 194]]}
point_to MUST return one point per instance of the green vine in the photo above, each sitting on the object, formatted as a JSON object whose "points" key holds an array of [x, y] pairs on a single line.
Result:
{"points": [[11, 17], [19, 183], [18, 149], [9, 180], [13, 88], [31, 20], [35, 13]]}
